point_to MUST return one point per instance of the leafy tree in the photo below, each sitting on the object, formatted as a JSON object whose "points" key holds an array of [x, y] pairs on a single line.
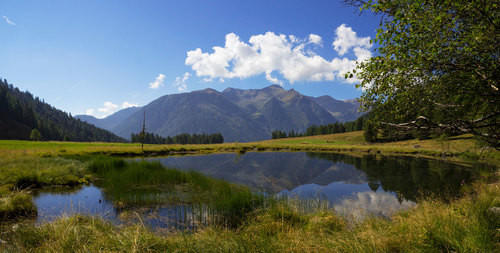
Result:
{"points": [[369, 132], [436, 69], [35, 135]]}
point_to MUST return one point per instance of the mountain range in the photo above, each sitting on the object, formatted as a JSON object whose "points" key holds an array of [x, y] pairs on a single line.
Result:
{"points": [[239, 115]]}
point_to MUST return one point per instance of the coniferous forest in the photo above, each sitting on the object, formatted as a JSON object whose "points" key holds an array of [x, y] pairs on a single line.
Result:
{"points": [[337, 127], [151, 138], [24, 117]]}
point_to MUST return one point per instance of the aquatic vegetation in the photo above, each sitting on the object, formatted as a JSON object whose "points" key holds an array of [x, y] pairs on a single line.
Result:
{"points": [[464, 225], [243, 221], [16, 204], [19, 174], [139, 183], [36, 172]]}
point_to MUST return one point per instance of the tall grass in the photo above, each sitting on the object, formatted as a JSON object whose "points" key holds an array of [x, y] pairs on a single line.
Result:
{"points": [[139, 183], [35, 172], [465, 225], [19, 175], [16, 204]]}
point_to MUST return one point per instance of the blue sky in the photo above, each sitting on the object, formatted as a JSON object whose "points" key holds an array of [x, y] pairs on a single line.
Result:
{"points": [[100, 56]]}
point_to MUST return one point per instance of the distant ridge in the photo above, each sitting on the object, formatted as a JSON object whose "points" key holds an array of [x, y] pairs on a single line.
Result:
{"points": [[342, 110], [111, 121], [240, 115]]}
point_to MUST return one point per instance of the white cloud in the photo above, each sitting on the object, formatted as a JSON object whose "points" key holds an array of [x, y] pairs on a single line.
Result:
{"points": [[126, 104], [180, 82], [108, 109], [315, 39], [294, 39], [8, 20], [362, 53], [158, 82], [290, 56], [273, 80], [347, 38], [366, 203]]}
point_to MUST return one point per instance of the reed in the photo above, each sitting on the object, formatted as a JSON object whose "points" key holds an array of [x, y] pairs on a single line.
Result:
{"points": [[464, 225], [143, 183], [35, 172], [15, 205], [21, 174], [237, 219]]}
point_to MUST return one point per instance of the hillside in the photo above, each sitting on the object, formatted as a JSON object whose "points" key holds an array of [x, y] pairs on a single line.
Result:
{"points": [[205, 111], [111, 121], [20, 113], [342, 110], [276, 108]]}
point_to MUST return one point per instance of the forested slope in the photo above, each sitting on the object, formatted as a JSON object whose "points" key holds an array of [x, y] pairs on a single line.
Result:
{"points": [[21, 113]]}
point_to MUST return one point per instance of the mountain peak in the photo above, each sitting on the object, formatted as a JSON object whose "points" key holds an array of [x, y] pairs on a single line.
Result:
{"points": [[275, 86], [325, 97], [290, 94], [207, 90], [274, 90], [228, 89], [271, 88]]}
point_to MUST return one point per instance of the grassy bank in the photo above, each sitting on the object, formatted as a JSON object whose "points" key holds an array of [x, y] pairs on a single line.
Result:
{"points": [[128, 183], [464, 146], [465, 225], [21, 174]]}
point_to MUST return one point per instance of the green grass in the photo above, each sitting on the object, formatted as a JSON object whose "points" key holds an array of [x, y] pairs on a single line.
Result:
{"points": [[36, 172], [144, 183], [126, 183], [16, 204], [465, 225], [464, 146], [460, 225], [20, 174]]}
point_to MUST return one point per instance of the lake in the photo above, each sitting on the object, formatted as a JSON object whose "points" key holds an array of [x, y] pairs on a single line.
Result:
{"points": [[351, 185]]}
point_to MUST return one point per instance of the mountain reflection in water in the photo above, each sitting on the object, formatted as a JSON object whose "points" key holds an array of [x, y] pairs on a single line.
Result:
{"points": [[351, 185], [332, 175]]}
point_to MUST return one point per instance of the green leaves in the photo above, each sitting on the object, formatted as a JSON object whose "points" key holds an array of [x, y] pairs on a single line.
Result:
{"points": [[437, 60]]}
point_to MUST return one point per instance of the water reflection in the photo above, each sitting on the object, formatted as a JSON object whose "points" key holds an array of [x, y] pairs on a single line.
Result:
{"points": [[90, 200], [87, 200], [371, 203], [351, 185], [270, 171], [406, 177]]}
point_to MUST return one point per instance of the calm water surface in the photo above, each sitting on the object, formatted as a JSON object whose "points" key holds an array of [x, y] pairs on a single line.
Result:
{"points": [[353, 186]]}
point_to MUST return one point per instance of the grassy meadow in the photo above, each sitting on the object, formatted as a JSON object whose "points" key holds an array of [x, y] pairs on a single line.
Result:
{"points": [[467, 224], [464, 145]]}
